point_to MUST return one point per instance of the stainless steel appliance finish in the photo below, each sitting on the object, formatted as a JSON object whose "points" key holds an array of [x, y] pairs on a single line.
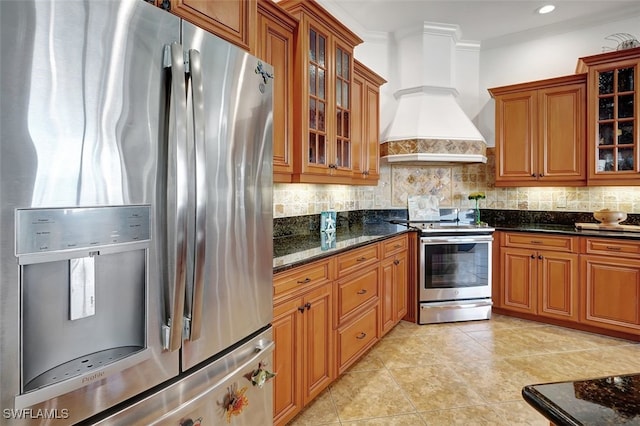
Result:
{"points": [[454, 265], [455, 278], [115, 106]]}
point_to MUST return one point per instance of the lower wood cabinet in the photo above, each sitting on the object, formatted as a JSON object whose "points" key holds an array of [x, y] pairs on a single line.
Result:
{"points": [[611, 292], [540, 282], [303, 356], [610, 285], [328, 313], [394, 292], [588, 283]]}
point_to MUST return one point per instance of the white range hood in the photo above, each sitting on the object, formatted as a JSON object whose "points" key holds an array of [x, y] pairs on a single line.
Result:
{"points": [[429, 125]]}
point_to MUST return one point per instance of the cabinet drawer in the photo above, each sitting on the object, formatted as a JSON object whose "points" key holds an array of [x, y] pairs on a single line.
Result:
{"points": [[302, 277], [356, 259], [357, 337], [538, 241], [615, 247], [354, 292], [394, 245]]}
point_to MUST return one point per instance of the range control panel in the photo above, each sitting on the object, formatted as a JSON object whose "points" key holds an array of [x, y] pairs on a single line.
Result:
{"points": [[55, 229]]}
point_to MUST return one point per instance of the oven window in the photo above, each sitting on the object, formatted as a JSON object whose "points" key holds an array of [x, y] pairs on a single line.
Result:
{"points": [[456, 265]]}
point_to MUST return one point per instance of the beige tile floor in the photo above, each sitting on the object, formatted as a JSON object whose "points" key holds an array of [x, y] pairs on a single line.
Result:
{"points": [[468, 373]]}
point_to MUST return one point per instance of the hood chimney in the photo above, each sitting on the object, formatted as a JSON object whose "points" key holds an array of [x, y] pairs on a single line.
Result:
{"points": [[429, 125]]}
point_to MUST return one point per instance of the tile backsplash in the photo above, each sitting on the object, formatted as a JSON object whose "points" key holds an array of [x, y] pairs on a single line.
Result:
{"points": [[451, 184]]}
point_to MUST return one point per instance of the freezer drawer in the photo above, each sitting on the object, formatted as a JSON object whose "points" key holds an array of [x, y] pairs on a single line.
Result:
{"points": [[218, 393]]}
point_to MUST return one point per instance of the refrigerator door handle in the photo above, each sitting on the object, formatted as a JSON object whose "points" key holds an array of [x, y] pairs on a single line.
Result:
{"points": [[197, 95], [177, 197]]}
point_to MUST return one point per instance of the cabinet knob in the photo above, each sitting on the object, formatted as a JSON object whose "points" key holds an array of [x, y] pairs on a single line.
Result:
{"points": [[396, 262], [533, 175], [307, 305], [541, 174], [533, 256], [301, 309], [540, 257]]}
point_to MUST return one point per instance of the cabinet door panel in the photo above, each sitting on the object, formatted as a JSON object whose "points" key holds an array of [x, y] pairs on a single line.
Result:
{"points": [[515, 136], [318, 350], [562, 132], [558, 279], [611, 292], [287, 358], [386, 301], [518, 280]]}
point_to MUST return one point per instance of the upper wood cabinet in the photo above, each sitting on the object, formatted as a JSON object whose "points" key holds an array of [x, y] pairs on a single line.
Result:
{"points": [[365, 125], [540, 132], [276, 46], [232, 20], [322, 102], [613, 117]]}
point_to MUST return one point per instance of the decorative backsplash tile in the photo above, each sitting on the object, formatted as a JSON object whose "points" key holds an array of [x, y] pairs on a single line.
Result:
{"points": [[451, 184]]}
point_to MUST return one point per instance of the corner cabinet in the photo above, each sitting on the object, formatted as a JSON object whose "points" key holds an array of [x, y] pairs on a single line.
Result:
{"points": [[365, 130], [540, 132], [323, 82], [233, 21], [276, 46], [613, 117]]}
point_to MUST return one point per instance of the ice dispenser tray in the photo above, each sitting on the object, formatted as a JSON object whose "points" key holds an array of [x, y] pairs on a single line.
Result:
{"points": [[83, 294]]}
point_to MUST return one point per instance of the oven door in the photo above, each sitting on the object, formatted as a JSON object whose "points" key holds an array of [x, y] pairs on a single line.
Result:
{"points": [[455, 267]]}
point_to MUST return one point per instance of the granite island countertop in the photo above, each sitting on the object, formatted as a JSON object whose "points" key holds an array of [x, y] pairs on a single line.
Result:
{"points": [[295, 250], [613, 400]]}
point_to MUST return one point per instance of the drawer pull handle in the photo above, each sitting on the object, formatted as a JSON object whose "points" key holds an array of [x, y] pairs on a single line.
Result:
{"points": [[361, 336], [363, 291], [614, 248], [397, 246], [361, 259], [536, 242], [306, 280]]}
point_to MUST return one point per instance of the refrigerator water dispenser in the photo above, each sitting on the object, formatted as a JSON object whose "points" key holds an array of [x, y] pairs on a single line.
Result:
{"points": [[83, 295]]}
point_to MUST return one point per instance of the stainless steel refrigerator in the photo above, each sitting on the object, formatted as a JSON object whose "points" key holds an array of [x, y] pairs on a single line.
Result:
{"points": [[136, 219]]}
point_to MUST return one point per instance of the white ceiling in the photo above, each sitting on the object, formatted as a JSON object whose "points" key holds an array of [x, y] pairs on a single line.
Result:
{"points": [[485, 21]]}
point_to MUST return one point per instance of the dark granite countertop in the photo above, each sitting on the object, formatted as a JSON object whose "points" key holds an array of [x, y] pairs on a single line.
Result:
{"points": [[294, 250], [566, 229], [613, 400]]}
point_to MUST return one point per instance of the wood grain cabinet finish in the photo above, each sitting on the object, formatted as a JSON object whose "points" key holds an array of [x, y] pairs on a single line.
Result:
{"points": [[613, 117], [304, 352], [394, 282], [540, 132], [233, 21], [276, 46], [322, 104], [541, 278], [365, 125], [610, 288]]}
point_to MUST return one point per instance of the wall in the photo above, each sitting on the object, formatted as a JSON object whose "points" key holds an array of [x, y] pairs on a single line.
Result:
{"points": [[522, 57], [452, 185]]}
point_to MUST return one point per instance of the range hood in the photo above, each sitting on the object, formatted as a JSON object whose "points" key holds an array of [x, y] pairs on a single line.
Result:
{"points": [[429, 125]]}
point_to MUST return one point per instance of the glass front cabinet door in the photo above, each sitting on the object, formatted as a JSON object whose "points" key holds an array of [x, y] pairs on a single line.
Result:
{"points": [[322, 95], [613, 117]]}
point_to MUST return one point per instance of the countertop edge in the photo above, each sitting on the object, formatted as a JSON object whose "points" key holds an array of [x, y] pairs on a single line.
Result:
{"points": [[329, 253], [547, 408]]}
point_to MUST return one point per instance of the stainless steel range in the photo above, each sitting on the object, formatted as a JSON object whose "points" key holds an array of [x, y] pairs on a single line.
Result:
{"points": [[454, 266]]}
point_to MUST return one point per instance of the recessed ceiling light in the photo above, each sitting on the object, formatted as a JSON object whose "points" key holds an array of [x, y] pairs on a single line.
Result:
{"points": [[546, 9]]}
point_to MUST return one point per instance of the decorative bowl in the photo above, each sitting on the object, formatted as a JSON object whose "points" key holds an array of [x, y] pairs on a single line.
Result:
{"points": [[609, 217]]}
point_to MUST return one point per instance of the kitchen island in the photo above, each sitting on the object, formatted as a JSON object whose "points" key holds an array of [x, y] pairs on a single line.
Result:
{"points": [[612, 400]]}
